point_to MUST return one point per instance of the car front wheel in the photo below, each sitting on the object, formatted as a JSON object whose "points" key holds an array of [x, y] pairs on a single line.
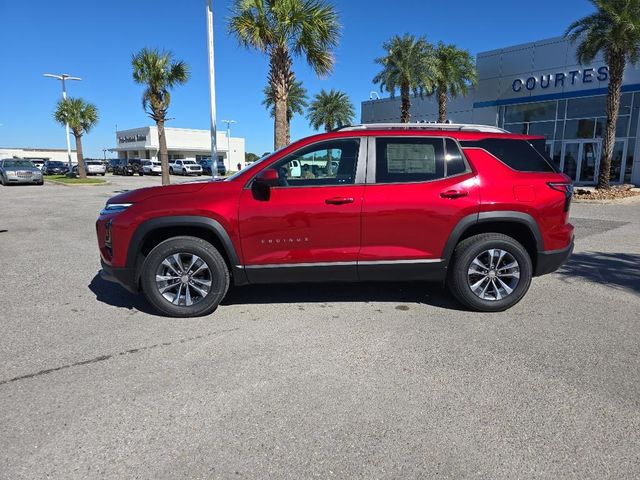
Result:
{"points": [[491, 272], [185, 277]]}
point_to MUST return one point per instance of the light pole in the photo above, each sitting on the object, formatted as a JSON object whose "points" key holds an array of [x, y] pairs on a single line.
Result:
{"points": [[212, 90], [63, 77], [229, 122]]}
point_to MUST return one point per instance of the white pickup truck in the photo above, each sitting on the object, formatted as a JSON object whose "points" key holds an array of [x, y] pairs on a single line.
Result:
{"points": [[185, 167]]}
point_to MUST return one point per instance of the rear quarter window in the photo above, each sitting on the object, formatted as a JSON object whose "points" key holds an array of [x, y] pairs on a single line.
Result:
{"points": [[519, 155]]}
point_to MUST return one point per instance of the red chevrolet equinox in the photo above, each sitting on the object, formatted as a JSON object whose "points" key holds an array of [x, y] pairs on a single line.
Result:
{"points": [[471, 206]]}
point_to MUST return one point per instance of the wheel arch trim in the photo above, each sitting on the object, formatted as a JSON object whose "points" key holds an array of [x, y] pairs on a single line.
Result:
{"points": [[213, 226], [503, 216]]}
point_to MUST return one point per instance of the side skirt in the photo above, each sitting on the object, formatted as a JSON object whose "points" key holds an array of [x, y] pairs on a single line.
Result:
{"points": [[390, 271]]}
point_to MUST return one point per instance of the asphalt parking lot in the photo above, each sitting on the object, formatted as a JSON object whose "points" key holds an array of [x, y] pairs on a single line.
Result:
{"points": [[326, 381]]}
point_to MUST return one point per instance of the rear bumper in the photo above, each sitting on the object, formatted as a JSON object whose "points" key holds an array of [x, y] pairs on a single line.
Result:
{"points": [[122, 276], [550, 261]]}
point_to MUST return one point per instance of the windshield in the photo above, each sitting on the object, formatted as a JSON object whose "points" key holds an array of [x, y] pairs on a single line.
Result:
{"points": [[56, 164], [251, 165], [94, 163], [18, 163], [189, 162]]}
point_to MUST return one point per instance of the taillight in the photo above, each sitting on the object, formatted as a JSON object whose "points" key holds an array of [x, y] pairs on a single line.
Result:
{"points": [[563, 187]]}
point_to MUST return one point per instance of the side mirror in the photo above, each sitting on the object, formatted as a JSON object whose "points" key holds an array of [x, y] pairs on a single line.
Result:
{"points": [[267, 178], [261, 186]]}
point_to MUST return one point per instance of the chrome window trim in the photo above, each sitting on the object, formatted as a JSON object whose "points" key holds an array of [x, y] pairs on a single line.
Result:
{"points": [[340, 264]]}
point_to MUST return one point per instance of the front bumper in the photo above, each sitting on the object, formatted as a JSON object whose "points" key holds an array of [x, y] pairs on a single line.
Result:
{"points": [[29, 181], [550, 261], [125, 277]]}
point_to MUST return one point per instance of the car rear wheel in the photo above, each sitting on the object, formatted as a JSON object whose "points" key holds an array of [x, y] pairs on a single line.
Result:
{"points": [[185, 277], [491, 272]]}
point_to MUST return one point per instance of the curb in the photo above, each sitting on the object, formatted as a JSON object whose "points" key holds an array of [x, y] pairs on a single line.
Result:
{"points": [[56, 182]]}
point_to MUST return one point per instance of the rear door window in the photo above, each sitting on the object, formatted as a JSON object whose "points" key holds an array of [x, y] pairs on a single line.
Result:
{"points": [[401, 160]]}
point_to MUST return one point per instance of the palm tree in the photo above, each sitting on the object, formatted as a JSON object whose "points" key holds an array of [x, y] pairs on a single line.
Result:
{"points": [[296, 103], [454, 71], [330, 110], [159, 72], [407, 66], [614, 30], [282, 28], [81, 118]]}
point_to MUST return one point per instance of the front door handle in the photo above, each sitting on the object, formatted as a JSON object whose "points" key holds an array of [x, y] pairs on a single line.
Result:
{"points": [[454, 194], [338, 200]]}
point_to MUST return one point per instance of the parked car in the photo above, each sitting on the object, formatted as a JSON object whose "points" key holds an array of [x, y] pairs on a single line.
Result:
{"points": [[473, 207], [152, 167], [92, 167], [38, 163], [17, 170], [54, 167], [131, 166], [206, 167], [111, 163], [185, 167]]}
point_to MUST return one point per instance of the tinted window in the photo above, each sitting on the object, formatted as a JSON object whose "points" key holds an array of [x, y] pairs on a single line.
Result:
{"points": [[454, 158], [517, 154], [326, 163], [409, 159]]}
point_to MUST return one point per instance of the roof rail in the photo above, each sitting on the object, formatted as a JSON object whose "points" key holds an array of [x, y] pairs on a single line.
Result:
{"points": [[459, 127]]}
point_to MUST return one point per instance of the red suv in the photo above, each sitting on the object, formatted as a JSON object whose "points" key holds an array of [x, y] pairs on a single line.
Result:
{"points": [[473, 206]]}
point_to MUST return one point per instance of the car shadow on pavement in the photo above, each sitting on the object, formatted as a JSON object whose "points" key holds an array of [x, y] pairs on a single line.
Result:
{"points": [[422, 293], [117, 296], [616, 270], [414, 292]]}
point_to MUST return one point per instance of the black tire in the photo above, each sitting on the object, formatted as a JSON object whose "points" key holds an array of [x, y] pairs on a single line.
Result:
{"points": [[184, 172], [464, 255], [41, 182], [219, 274], [2, 180], [170, 171]]}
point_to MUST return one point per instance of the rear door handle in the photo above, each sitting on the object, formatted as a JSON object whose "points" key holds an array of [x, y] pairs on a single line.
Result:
{"points": [[454, 194], [338, 200]]}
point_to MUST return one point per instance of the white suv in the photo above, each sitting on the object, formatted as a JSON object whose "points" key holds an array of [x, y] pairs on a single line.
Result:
{"points": [[185, 167], [151, 167]]}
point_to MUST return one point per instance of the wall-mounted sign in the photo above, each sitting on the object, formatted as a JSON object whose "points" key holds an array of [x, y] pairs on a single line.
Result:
{"points": [[132, 138], [560, 79]]}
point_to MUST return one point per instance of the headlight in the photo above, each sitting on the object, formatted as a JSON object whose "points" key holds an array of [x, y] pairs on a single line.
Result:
{"points": [[114, 208], [11, 173]]}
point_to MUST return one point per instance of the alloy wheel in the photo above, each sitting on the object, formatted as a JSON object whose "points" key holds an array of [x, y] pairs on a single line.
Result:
{"points": [[183, 279], [493, 275]]}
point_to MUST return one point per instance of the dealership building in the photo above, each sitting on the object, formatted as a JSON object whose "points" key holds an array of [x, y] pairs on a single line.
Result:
{"points": [[182, 143], [539, 88], [31, 153]]}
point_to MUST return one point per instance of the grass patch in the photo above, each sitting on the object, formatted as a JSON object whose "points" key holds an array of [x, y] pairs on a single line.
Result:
{"points": [[74, 181]]}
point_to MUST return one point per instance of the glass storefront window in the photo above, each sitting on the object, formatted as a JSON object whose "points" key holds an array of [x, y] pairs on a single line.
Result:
{"points": [[616, 162], [587, 107], [519, 128], [545, 129], [631, 146], [562, 109], [559, 129], [571, 159], [621, 127], [557, 154], [584, 128], [530, 112], [589, 160]]}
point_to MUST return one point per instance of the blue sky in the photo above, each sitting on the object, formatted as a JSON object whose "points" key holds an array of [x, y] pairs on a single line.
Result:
{"points": [[95, 40]]}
